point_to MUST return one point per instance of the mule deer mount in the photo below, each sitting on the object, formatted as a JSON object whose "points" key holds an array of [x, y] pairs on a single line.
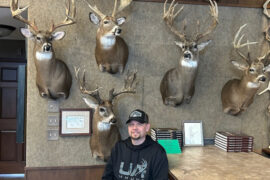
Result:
{"points": [[111, 50], [53, 77], [238, 94], [177, 84], [105, 131]]}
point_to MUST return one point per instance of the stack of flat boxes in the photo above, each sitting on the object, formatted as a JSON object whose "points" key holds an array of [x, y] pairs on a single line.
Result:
{"points": [[167, 133], [232, 142]]}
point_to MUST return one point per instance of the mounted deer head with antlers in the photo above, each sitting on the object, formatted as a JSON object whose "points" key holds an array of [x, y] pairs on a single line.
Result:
{"points": [[111, 50], [53, 77], [105, 131], [177, 84], [238, 94]]}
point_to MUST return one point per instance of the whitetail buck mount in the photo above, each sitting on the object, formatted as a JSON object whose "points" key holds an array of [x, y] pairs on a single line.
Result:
{"points": [[267, 37], [53, 77], [104, 123], [238, 94], [177, 84], [111, 51]]}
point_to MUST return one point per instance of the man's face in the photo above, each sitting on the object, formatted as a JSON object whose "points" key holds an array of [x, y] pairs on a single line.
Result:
{"points": [[137, 130]]}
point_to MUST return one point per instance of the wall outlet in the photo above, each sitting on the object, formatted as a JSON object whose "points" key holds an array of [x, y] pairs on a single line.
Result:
{"points": [[53, 135], [53, 106], [53, 120]]}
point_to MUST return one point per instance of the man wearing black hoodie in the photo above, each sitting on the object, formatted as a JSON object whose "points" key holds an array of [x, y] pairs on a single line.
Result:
{"points": [[138, 157]]}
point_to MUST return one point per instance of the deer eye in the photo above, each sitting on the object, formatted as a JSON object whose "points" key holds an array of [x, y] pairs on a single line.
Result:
{"points": [[38, 38], [102, 109], [50, 38], [251, 70], [106, 22]]}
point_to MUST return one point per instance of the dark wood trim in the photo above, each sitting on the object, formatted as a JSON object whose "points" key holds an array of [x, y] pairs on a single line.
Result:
{"points": [[69, 173], [64, 172], [236, 3], [171, 176]]}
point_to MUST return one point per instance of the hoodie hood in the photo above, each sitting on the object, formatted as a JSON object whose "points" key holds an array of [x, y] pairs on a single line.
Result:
{"points": [[148, 141]]}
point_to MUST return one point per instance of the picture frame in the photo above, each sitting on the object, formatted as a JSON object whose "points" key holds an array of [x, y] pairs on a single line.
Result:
{"points": [[75, 122], [193, 133]]}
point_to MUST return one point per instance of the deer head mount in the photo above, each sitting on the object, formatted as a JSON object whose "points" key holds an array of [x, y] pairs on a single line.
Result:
{"points": [[111, 50], [238, 94], [53, 77], [105, 131], [177, 84]]}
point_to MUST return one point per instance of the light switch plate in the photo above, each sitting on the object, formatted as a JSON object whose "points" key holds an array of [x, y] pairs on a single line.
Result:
{"points": [[53, 120], [53, 135], [53, 106]]}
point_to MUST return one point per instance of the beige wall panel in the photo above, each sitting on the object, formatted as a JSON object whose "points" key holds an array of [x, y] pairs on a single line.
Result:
{"points": [[152, 53]]}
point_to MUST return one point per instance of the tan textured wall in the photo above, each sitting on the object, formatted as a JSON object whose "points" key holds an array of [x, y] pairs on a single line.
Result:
{"points": [[152, 53]]}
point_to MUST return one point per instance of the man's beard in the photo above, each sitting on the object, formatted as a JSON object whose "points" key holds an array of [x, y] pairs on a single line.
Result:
{"points": [[136, 138]]}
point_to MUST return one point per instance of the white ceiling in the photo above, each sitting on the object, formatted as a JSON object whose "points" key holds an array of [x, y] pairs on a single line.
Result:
{"points": [[6, 18]]}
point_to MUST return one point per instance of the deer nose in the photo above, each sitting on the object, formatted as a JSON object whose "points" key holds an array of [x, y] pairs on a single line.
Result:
{"points": [[118, 31], [187, 56], [113, 121], [47, 48], [263, 79]]}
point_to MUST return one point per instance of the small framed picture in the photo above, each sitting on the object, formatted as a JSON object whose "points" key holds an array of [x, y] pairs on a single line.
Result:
{"points": [[75, 122], [193, 133]]}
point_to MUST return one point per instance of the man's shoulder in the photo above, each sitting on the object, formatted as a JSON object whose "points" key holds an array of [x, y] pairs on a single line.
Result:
{"points": [[157, 147]]}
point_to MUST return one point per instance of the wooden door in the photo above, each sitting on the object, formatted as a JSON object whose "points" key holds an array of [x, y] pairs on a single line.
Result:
{"points": [[12, 154]]}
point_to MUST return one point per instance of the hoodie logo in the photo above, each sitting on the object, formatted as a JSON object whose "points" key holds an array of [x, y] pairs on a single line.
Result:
{"points": [[139, 169]]}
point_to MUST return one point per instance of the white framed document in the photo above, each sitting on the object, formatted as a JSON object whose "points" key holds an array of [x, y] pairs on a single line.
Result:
{"points": [[193, 133], [75, 122]]}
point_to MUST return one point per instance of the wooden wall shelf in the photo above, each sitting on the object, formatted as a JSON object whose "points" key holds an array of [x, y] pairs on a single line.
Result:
{"points": [[237, 3]]}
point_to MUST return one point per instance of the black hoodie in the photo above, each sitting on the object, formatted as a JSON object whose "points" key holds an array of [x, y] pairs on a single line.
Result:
{"points": [[147, 161]]}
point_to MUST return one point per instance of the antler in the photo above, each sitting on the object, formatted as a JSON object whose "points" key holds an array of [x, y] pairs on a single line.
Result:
{"points": [[83, 89], [95, 9], [70, 15], [16, 13], [265, 90], [130, 85], [265, 11], [168, 17], [123, 5], [214, 13], [237, 43]]}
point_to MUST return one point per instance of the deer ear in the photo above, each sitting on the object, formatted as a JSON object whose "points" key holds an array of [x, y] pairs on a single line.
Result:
{"points": [[179, 43], [93, 18], [202, 45], [240, 66], [267, 68], [121, 20], [27, 33], [58, 35], [90, 103]]}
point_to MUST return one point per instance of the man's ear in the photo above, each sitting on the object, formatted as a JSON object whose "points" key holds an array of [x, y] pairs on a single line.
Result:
{"points": [[93, 18], [27, 33], [147, 127]]}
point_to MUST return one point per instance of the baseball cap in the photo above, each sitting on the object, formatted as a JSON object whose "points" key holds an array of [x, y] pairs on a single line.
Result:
{"points": [[139, 116]]}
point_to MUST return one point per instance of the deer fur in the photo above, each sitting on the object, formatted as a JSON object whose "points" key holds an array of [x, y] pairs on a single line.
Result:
{"points": [[111, 50], [178, 84]]}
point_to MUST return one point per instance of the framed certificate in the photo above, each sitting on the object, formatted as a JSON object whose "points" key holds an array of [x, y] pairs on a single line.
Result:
{"points": [[75, 122], [193, 133]]}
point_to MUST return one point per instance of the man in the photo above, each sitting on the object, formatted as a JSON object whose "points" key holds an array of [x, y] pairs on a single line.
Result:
{"points": [[138, 157]]}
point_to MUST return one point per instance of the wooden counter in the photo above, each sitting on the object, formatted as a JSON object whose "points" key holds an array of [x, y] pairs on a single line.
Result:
{"points": [[210, 162]]}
